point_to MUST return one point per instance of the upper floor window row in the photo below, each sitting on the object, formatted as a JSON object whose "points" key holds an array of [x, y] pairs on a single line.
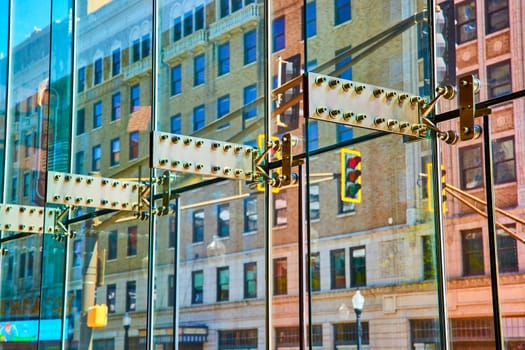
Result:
{"points": [[496, 18], [191, 21], [227, 7]]}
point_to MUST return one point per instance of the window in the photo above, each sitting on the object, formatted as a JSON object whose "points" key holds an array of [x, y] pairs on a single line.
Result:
{"points": [[10, 265], [250, 46], [22, 265], [77, 253], [132, 240], [81, 121], [187, 23], [499, 79], [223, 220], [30, 263], [223, 283], [429, 271], [171, 290], [343, 66], [198, 226], [337, 269], [315, 271], [134, 145], [250, 214], [238, 338], [172, 238], [471, 174], [503, 158], [111, 298], [115, 152], [472, 252], [29, 105], [357, 267], [177, 29], [96, 155], [223, 59], [199, 17], [346, 334], [134, 98], [249, 96], [14, 188], [81, 79], [197, 287], [115, 106], [279, 39], [79, 162], [199, 116], [223, 108], [115, 62], [311, 14], [27, 184], [146, 45], [16, 146], [497, 14], [250, 280], [198, 70], [280, 276], [175, 124], [507, 252], [176, 80], [343, 207], [135, 48], [280, 217], [112, 245], [343, 11], [287, 337], [28, 144], [313, 135], [229, 6], [466, 21], [131, 296], [344, 132], [97, 114], [97, 79], [315, 211]]}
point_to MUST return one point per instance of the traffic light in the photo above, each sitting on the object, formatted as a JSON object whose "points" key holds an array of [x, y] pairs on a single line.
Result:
{"points": [[430, 187], [351, 176]]}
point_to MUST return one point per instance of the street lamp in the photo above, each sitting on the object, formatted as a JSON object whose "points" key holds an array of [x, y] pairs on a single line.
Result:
{"points": [[126, 322], [358, 302]]}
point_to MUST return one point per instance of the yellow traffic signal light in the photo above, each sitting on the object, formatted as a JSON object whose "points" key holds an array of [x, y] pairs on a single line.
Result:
{"points": [[351, 176]]}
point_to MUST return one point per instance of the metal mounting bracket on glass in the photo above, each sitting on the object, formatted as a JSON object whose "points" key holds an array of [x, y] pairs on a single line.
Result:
{"points": [[27, 219], [94, 192], [363, 105], [194, 155]]}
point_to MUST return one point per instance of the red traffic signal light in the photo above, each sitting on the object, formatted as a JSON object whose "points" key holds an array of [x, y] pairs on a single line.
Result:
{"points": [[351, 176]]}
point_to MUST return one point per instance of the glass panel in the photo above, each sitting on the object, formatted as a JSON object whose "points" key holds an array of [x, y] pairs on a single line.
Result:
{"points": [[109, 256], [387, 211], [468, 250], [476, 36]]}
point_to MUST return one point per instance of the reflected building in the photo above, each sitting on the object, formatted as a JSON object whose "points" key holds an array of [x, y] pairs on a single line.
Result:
{"points": [[212, 261]]}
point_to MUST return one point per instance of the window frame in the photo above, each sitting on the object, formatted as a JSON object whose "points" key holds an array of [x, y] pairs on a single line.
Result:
{"points": [[337, 280], [250, 47], [464, 22], [250, 280], [176, 80], [279, 33], [357, 267], [475, 252], [223, 285], [198, 226], [280, 276], [197, 292], [489, 13], [132, 241], [223, 58], [341, 17], [114, 158], [199, 70], [116, 106]]}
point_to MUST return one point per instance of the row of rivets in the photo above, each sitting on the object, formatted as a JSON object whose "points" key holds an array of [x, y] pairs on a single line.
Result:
{"points": [[378, 121], [89, 180], [377, 92], [199, 143]]}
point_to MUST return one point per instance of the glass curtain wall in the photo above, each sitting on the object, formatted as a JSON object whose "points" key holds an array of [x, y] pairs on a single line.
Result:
{"points": [[484, 257], [195, 261], [378, 239]]}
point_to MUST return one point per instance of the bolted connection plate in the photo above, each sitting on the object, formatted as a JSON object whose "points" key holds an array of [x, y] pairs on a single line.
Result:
{"points": [[363, 105], [93, 191], [24, 218], [188, 154]]}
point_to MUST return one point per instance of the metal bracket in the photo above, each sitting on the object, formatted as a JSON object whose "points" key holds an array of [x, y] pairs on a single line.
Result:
{"points": [[93, 191], [29, 219], [188, 154], [363, 105]]}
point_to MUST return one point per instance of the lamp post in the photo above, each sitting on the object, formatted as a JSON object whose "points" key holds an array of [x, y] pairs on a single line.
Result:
{"points": [[126, 322], [358, 302]]}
